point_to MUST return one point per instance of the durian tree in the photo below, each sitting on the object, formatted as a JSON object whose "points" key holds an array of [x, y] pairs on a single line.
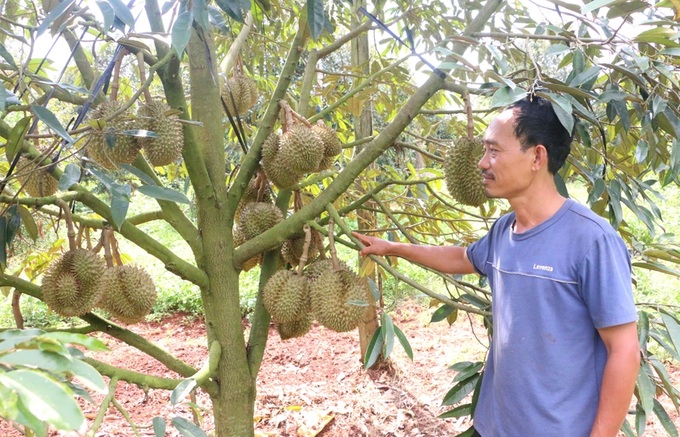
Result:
{"points": [[252, 103]]}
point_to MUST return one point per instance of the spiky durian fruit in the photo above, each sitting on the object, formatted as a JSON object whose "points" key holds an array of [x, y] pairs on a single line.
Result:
{"points": [[252, 193], [337, 298], [286, 296], [239, 94], [33, 176], [71, 286], [275, 170], [297, 328], [331, 143], [109, 146], [167, 148], [291, 250], [300, 150], [129, 293], [463, 178], [239, 239], [257, 217], [313, 271]]}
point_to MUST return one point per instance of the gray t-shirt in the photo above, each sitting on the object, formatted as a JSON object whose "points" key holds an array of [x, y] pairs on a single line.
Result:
{"points": [[553, 287]]}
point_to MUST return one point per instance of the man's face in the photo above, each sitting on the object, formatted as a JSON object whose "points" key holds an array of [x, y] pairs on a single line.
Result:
{"points": [[507, 171]]}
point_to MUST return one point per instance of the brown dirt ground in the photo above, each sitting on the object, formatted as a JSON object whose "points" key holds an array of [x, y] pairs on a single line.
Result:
{"points": [[314, 385]]}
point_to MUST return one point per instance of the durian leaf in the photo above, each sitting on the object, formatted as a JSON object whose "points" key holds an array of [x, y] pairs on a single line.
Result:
{"points": [[561, 186], [460, 390], [3, 97], [466, 369], [120, 202], [7, 56], [645, 389], [665, 419], [187, 428], [29, 222], [47, 117], [162, 193], [54, 15], [506, 96], [159, 426], [70, 176], [673, 329], [200, 11], [181, 32], [231, 8], [388, 334], [441, 313], [45, 399], [90, 343], [460, 411], [374, 348], [107, 13], [140, 174], [123, 12], [13, 223], [182, 390], [627, 430], [315, 17], [16, 137], [374, 288], [3, 243], [404, 342], [597, 4], [640, 420]]}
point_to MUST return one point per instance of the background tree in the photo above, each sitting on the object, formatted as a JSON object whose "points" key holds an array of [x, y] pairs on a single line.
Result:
{"points": [[612, 63]]}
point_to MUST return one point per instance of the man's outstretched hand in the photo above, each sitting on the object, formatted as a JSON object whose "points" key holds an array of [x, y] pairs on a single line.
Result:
{"points": [[373, 245]]}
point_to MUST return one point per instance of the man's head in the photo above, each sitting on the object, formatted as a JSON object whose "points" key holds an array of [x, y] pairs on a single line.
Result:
{"points": [[536, 123]]}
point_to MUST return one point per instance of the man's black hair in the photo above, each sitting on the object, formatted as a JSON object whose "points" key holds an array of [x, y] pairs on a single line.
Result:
{"points": [[536, 123]]}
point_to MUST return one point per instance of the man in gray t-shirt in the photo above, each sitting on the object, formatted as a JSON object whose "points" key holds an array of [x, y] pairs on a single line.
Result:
{"points": [[564, 355]]}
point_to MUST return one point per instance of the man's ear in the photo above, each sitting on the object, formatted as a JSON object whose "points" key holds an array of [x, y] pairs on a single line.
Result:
{"points": [[540, 157]]}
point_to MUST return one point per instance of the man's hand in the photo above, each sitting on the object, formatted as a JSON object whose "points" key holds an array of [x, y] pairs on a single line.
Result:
{"points": [[373, 245]]}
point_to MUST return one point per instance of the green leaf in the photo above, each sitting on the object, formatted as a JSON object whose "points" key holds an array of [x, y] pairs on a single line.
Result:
{"points": [[231, 8], [506, 96], [181, 32], [374, 349], [388, 333], [69, 177], [91, 343], [53, 15], [162, 193], [108, 14], [464, 372], [665, 378], [159, 426], [120, 202], [29, 223], [556, 49], [7, 56], [460, 390], [200, 11], [375, 291], [13, 337], [404, 342], [673, 328], [441, 313], [640, 420], [187, 428], [665, 419], [627, 430], [585, 76], [123, 12], [561, 185], [626, 8], [88, 376], [645, 388], [45, 399], [597, 4], [47, 117], [315, 17], [643, 329], [16, 137], [36, 359], [182, 390], [461, 411]]}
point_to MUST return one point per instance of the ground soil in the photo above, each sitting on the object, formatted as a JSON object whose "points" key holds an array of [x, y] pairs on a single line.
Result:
{"points": [[313, 385]]}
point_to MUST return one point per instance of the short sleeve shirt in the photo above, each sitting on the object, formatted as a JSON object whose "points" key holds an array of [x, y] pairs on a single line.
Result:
{"points": [[553, 287]]}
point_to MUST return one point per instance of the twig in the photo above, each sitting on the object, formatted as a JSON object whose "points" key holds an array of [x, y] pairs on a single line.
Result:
{"points": [[16, 309], [125, 414], [305, 248], [103, 407], [69, 223]]}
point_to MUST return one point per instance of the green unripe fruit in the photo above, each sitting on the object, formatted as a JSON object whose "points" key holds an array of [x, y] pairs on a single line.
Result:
{"points": [[462, 175]]}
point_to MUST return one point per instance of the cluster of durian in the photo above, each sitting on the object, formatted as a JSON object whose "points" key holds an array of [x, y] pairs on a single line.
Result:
{"points": [[287, 158], [332, 296], [79, 281], [239, 94], [462, 175], [33, 176], [111, 143]]}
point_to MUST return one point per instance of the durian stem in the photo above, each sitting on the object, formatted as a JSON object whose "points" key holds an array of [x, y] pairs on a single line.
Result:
{"points": [[103, 407], [470, 117], [300, 118], [79, 237], [116, 75], [126, 415], [142, 78], [305, 248], [69, 223], [114, 248], [287, 117], [107, 247], [16, 309], [331, 244]]}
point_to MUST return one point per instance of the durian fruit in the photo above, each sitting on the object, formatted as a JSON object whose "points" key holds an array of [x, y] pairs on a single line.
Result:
{"points": [[286, 296], [297, 328], [275, 170], [167, 148], [243, 91], [257, 217], [71, 286], [109, 146], [239, 239], [313, 271], [291, 250], [35, 180], [129, 293], [463, 177], [251, 194], [336, 296], [331, 143], [300, 150]]}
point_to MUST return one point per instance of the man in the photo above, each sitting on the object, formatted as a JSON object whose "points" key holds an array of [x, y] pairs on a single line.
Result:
{"points": [[564, 355]]}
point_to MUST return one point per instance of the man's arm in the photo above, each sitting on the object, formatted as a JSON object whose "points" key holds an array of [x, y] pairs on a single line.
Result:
{"points": [[445, 259], [618, 382]]}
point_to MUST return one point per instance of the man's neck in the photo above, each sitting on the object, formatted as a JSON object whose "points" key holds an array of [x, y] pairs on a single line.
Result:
{"points": [[531, 211]]}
